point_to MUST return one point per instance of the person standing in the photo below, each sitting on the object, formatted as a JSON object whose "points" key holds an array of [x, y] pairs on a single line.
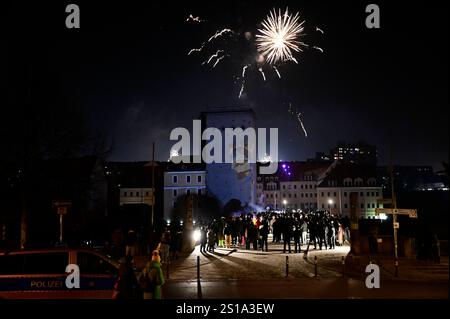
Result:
{"points": [[304, 231], [287, 233], [126, 286], [152, 278], [203, 240], [130, 242], [296, 234], [165, 247], [264, 233], [211, 240]]}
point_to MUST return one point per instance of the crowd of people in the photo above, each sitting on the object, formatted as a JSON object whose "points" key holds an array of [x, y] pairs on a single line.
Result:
{"points": [[319, 229], [247, 231]]}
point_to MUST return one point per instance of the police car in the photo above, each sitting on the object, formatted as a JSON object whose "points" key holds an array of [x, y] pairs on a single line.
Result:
{"points": [[41, 274]]}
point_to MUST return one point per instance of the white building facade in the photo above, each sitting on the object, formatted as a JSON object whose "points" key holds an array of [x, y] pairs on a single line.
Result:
{"points": [[182, 182]]}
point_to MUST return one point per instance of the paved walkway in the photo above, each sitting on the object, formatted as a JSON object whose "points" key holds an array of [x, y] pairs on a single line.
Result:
{"points": [[237, 273]]}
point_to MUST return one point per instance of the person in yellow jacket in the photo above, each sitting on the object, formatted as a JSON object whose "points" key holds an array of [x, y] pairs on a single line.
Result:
{"points": [[152, 277]]}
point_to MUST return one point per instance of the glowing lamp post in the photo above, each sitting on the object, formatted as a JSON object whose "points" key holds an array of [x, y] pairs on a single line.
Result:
{"points": [[330, 202]]}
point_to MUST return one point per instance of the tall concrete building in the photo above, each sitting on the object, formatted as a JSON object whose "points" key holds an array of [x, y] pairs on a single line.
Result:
{"points": [[228, 181]]}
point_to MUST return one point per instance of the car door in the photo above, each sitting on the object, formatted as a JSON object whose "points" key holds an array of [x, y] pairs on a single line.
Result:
{"points": [[97, 275]]}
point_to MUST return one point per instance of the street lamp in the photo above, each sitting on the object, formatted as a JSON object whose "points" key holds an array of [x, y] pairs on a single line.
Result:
{"points": [[330, 202], [284, 203]]}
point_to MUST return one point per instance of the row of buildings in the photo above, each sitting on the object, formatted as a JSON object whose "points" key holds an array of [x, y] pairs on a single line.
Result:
{"points": [[138, 194], [324, 182]]}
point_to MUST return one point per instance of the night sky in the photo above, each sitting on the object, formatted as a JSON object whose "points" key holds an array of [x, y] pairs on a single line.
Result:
{"points": [[127, 73]]}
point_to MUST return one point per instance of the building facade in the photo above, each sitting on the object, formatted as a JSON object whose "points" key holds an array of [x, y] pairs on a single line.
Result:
{"points": [[231, 181], [333, 191], [293, 187], [182, 179]]}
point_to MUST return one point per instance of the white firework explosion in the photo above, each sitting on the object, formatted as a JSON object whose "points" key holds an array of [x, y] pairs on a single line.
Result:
{"points": [[279, 36]]}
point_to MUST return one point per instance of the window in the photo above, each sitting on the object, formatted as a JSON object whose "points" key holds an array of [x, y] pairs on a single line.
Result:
{"points": [[334, 194], [348, 182], [11, 264], [188, 192], [335, 205], [377, 194], [311, 195], [146, 193], [295, 186], [199, 179], [301, 186], [137, 194], [358, 181], [93, 264], [373, 194], [175, 179], [295, 195], [323, 206], [199, 191], [175, 193], [48, 263], [362, 205], [368, 194], [361, 194], [368, 205], [345, 194], [125, 194], [322, 194], [345, 206], [188, 178], [306, 195], [284, 195], [373, 205], [310, 186], [289, 195], [301, 195], [328, 194], [131, 194], [284, 186]]}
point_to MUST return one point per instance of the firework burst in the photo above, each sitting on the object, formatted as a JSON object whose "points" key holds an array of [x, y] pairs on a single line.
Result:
{"points": [[279, 36]]}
